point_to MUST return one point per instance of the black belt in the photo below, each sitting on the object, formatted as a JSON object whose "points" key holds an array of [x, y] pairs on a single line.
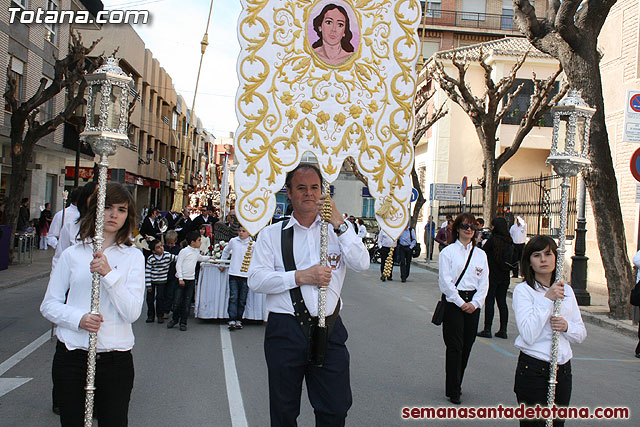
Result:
{"points": [[467, 296], [541, 364]]}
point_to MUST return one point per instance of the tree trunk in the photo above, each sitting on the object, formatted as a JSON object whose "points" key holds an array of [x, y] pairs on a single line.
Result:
{"points": [[490, 189], [19, 162], [420, 201], [583, 72]]}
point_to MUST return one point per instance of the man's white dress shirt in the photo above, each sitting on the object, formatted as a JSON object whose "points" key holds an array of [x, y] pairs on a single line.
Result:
{"points": [[68, 237], [267, 274], [519, 232], [71, 214], [451, 262], [385, 241], [362, 231], [533, 316], [121, 296]]}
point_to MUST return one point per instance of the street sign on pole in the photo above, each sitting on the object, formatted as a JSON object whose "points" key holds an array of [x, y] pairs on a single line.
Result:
{"points": [[631, 127], [414, 195], [463, 187], [637, 193], [447, 192]]}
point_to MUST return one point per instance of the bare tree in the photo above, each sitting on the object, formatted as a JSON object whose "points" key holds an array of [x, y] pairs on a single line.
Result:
{"points": [[69, 77], [486, 113], [425, 119], [570, 33]]}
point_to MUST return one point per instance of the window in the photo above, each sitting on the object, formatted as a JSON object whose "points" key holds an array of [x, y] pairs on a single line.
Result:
{"points": [[368, 207], [46, 110], [20, 3], [429, 48], [521, 102], [506, 20], [473, 10], [17, 74], [433, 9], [52, 28], [174, 120]]}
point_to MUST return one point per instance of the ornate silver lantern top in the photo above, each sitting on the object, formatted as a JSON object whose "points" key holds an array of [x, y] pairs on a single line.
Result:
{"points": [[571, 130], [107, 108]]}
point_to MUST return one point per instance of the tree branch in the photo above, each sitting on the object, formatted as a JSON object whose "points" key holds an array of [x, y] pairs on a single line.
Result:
{"points": [[593, 15], [525, 16], [458, 90], [564, 23]]}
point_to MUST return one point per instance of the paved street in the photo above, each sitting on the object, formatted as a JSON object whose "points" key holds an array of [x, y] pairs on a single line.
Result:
{"points": [[397, 360]]}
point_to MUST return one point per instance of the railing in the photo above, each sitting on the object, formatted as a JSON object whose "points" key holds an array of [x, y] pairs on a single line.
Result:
{"points": [[456, 18], [536, 200]]}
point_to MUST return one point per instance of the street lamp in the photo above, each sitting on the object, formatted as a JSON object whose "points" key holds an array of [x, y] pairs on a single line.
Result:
{"points": [[106, 127], [569, 155], [149, 157]]}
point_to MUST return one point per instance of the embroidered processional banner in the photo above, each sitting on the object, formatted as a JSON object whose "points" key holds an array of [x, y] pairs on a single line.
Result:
{"points": [[333, 77]]}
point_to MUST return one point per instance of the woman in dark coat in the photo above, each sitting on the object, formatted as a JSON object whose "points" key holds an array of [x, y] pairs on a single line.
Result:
{"points": [[495, 248]]}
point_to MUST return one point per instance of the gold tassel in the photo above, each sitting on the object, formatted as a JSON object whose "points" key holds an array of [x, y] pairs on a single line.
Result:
{"points": [[247, 257], [388, 264], [327, 210]]}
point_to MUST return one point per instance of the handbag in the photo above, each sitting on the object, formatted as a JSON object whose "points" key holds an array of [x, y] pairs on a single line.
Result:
{"points": [[635, 295], [438, 312], [415, 251]]}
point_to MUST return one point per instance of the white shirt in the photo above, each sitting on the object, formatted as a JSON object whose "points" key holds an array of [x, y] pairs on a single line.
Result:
{"points": [[267, 274], [71, 214], [68, 237], [533, 313], [519, 232], [186, 263], [121, 297], [362, 231], [444, 224], [385, 241], [236, 249], [636, 262], [451, 262]]}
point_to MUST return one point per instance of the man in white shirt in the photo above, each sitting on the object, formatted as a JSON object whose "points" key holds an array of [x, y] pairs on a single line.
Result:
{"points": [[518, 233], [68, 214], [285, 266], [385, 243]]}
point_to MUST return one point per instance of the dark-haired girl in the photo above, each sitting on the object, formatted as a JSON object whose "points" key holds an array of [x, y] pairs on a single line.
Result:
{"points": [[533, 302], [462, 309], [495, 248], [121, 296]]}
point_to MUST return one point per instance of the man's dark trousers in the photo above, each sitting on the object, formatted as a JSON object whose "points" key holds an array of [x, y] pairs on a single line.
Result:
{"points": [[328, 387], [384, 254], [405, 255]]}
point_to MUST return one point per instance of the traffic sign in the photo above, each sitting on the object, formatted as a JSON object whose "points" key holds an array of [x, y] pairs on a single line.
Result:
{"points": [[635, 165], [414, 195], [463, 187], [634, 103], [447, 192]]}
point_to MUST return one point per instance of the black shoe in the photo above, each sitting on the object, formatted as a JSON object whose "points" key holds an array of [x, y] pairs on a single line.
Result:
{"points": [[501, 334], [384, 279], [485, 334], [56, 410], [183, 327], [390, 279], [149, 320], [160, 319], [638, 355], [403, 280], [171, 324], [455, 400]]}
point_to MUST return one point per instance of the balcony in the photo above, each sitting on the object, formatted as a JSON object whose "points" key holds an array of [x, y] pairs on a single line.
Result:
{"points": [[477, 22]]}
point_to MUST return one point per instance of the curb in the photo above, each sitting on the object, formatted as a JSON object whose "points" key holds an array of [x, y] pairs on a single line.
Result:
{"points": [[587, 316], [24, 280]]}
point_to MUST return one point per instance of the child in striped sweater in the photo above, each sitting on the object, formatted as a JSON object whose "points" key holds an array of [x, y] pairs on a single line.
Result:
{"points": [[156, 271]]}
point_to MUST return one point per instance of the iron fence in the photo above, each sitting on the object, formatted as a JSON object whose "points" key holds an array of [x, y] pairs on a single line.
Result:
{"points": [[457, 18], [536, 200]]}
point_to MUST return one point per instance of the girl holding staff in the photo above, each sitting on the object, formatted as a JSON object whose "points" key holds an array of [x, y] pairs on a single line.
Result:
{"points": [[122, 294], [533, 302]]}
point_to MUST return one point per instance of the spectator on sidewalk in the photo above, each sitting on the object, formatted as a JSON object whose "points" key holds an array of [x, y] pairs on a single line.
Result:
{"points": [[518, 232], [43, 225], [23, 215], [429, 236], [444, 235], [446, 221]]}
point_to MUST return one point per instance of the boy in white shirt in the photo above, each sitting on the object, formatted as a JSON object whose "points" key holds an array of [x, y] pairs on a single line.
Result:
{"points": [[238, 288], [186, 274]]}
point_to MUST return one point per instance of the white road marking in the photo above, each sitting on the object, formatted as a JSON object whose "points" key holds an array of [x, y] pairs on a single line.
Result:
{"points": [[22, 354], [234, 395], [8, 384]]}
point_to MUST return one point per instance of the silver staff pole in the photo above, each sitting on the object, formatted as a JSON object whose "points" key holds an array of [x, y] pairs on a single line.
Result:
{"points": [[324, 230], [108, 91]]}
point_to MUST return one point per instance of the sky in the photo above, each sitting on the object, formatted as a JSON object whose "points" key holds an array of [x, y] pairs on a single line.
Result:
{"points": [[174, 34]]}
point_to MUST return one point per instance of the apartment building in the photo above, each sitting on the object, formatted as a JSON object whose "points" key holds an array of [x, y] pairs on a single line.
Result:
{"points": [[32, 49]]}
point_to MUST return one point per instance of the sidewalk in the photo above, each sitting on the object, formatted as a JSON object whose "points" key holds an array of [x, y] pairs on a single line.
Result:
{"points": [[595, 314], [17, 274]]}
